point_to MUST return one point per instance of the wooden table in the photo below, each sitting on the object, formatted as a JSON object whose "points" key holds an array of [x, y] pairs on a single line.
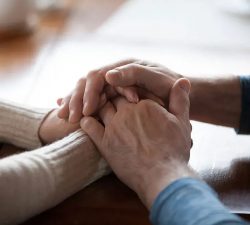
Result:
{"points": [[67, 44]]}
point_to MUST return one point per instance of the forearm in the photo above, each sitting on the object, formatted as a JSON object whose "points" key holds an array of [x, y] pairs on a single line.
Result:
{"points": [[190, 202], [161, 176], [38, 180], [20, 125], [216, 100]]}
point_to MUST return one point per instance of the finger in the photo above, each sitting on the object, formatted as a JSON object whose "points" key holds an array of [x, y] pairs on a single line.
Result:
{"points": [[63, 111], [132, 94], [76, 102], [141, 76], [119, 103], [110, 92], [179, 99], [59, 101], [107, 113], [94, 130], [129, 93], [95, 85], [103, 100], [144, 94]]}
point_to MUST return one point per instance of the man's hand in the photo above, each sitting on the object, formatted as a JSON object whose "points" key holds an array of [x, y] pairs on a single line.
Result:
{"points": [[132, 79], [91, 93], [153, 78], [147, 146]]}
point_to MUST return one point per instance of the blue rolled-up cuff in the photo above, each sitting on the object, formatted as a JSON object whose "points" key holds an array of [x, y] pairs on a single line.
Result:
{"points": [[189, 201], [244, 127]]}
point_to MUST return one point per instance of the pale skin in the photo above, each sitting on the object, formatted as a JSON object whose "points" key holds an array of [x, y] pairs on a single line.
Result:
{"points": [[213, 100], [132, 133], [147, 146], [54, 128]]}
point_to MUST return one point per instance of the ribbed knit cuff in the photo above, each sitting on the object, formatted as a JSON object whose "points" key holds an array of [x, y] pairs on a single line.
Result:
{"points": [[74, 163], [34, 181], [19, 126], [190, 201]]}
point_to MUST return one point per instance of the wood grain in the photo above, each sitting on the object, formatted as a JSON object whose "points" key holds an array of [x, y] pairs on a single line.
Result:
{"points": [[36, 67]]}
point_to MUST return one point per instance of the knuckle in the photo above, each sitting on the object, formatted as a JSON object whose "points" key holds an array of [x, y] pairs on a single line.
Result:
{"points": [[142, 62], [134, 68], [72, 103], [173, 121], [75, 99], [81, 81], [144, 104], [128, 61], [92, 73], [67, 99], [101, 72]]}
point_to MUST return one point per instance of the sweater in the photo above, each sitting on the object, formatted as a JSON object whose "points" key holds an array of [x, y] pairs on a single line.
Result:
{"points": [[36, 180]]}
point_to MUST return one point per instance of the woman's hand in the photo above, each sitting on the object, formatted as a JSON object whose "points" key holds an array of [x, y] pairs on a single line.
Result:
{"points": [[54, 128], [91, 93], [147, 146], [132, 79]]}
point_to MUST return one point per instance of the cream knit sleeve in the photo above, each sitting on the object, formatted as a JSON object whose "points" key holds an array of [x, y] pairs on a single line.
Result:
{"points": [[19, 125], [34, 181], [37, 180]]}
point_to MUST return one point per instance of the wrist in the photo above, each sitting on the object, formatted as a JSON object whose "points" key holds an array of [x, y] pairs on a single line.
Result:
{"points": [[43, 133], [216, 100], [161, 176], [53, 128], [196, 95]]}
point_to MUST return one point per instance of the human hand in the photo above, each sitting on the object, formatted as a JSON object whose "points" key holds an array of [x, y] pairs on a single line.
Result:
{"points": [[91, 93], [54, 128], [132, 79], [147, 146]]}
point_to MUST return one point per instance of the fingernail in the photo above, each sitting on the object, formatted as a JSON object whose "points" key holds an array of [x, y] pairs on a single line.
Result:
{"points": [[132, 97], [84, 124], [71, 116], [112, 75], [62, 105], [185, 86], [59, 113], [103, 98], [161, 103], [136, 98], [59, 101], [115, 72], [85, 107], [102, 101], [82, 121]]}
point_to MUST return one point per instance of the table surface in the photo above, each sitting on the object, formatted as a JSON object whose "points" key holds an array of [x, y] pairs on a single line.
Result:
{"points": [[191, 37]]}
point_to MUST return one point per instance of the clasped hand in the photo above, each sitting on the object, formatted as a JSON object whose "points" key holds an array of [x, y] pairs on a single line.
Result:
{"points": [[143, 130]]}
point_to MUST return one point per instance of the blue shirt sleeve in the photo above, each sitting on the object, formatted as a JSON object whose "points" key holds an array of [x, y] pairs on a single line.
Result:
{"points": [[190, 202], [244, 127]]}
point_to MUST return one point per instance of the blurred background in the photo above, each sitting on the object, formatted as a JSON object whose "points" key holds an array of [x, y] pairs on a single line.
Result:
{"points": [[47, 45]]}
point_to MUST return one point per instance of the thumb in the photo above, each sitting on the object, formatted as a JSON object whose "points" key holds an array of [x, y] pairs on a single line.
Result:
{"points": [[136, 75], [94, 129], [179, 103]]}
